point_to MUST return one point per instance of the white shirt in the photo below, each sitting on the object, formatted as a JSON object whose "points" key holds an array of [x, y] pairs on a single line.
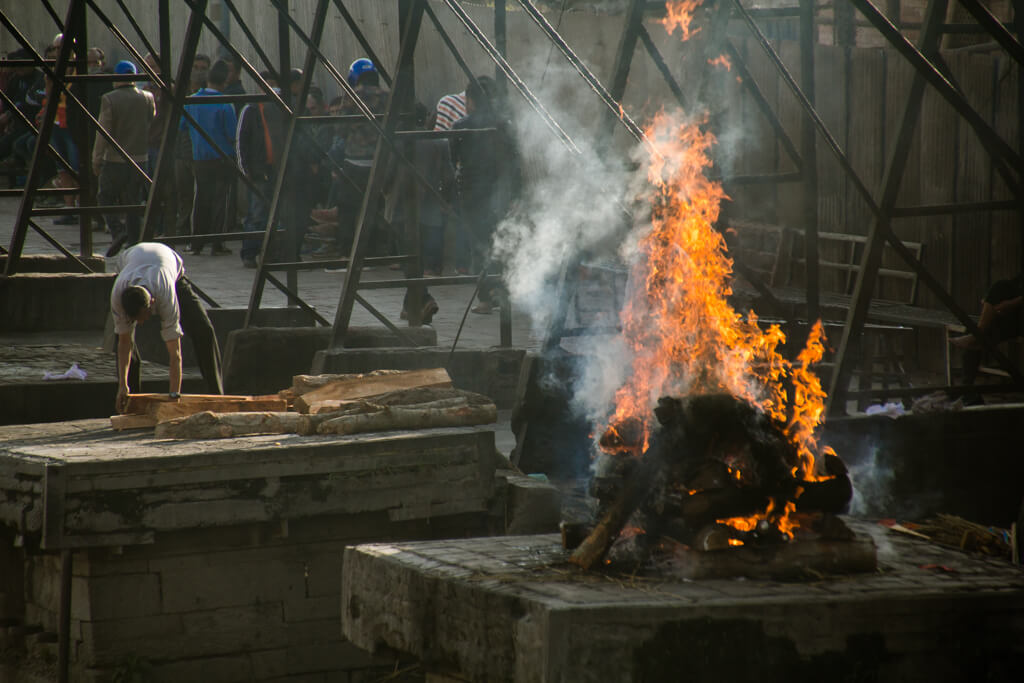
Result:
{"points": [[156, 267]]}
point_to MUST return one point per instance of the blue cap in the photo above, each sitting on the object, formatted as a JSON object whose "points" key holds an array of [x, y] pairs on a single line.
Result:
{"points": [[358, 68], [125, 67]]}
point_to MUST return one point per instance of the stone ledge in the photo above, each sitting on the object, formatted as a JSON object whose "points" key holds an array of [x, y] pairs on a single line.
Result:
{"points": [[37, 302]]}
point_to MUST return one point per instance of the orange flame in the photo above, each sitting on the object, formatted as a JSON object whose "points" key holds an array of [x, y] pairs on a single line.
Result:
{"points": [[722, 61], [679, 14], [686, 337]]}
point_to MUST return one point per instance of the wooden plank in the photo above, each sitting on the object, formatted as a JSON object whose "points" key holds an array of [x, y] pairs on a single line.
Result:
{"points": [[122, 422], [168, 411], [140, 403], [374, 386]]}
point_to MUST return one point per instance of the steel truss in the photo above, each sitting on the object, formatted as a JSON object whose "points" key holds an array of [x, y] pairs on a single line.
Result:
{"points": [[69, 68]]}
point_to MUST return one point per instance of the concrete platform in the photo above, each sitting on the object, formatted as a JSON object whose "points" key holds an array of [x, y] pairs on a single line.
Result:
{"points": [[512, 609], [26, 398], [218, 561]]}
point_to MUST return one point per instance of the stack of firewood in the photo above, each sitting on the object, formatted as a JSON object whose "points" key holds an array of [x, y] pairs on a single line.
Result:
{"points": [[316, 404], [710, 458]]}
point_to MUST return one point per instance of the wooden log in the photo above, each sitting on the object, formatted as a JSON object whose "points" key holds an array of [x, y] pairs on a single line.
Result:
{"points": [[424, 416], [168, 411], [785, 561], [122, 422], [139, 403], [364, 387], [302, 384], [402, 397], [211, 425], [635, 489]]}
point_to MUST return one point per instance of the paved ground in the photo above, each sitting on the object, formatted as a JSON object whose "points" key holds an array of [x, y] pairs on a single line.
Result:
{"points": [[229, 283]]}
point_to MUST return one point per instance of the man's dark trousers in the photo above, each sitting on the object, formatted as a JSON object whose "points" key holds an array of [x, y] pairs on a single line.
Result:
{"points": [[122, 185], [213, 178]]}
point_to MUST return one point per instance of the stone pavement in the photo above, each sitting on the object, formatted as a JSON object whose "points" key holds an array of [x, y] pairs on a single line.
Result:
{"points": [[229, 284]]}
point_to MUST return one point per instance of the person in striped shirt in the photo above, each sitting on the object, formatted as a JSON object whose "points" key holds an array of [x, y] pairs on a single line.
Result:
{"points": [[450, 109]]}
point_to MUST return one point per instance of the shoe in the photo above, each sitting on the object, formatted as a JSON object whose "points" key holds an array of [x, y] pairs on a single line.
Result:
{"points": [[483, 308], [220, 250], [249, 262], [70, 219], [335, 269], [429, 309], [395, 266]]}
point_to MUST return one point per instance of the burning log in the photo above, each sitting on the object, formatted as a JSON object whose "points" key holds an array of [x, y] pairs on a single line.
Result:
{"points": [[712, 459]]}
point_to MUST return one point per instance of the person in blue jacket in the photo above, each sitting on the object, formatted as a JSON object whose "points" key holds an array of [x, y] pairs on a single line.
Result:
{"points": [[212, 164]]}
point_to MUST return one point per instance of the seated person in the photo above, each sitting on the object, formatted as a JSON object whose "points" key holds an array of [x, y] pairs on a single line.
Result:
{"points": [[1002, 318]]}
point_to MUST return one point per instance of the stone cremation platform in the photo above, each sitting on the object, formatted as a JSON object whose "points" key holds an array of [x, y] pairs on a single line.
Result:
{"points": [[513, 609], [25, 397], [215, 560]]}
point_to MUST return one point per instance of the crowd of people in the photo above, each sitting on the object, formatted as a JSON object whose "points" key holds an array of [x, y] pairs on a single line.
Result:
{"points": [[229, 155]]}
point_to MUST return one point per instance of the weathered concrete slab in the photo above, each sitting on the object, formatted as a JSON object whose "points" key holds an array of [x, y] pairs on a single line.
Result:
{"points": [[264, 359], [493, 372], [81, 484], [54, 263], [35, 302], [215, 561], [512, 609], [26, 398]]}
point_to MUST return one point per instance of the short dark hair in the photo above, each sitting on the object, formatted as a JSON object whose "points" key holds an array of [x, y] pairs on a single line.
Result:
{"points": [[481, 90], [134, 299], [316, 93], [200, 57], [218, 73]]}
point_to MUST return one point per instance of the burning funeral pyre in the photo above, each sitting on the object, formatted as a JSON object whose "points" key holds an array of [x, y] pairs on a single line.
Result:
{"points": [[729, 455]]}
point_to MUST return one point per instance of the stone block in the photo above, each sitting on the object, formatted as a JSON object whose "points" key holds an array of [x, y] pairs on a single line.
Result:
{"points": [[533, 506], [307, 609], [105, 643], [231, 585], [42, 302], [246, 352], [492, 372], [54, 263], [227, 669], [115, 597]]}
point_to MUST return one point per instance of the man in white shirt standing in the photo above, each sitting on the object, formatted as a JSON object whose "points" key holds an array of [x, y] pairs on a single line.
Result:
{"points": [[152, 280]]}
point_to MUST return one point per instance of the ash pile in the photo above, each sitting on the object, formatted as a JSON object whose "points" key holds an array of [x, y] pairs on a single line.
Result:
{"points": [[714, 491]]}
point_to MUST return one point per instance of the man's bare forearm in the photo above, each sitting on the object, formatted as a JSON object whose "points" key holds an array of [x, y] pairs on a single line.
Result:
{"points": [[174, 366], [124, 355]]}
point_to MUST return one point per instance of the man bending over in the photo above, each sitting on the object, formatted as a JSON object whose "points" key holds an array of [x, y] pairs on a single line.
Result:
{"points": [[152, 280]]}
